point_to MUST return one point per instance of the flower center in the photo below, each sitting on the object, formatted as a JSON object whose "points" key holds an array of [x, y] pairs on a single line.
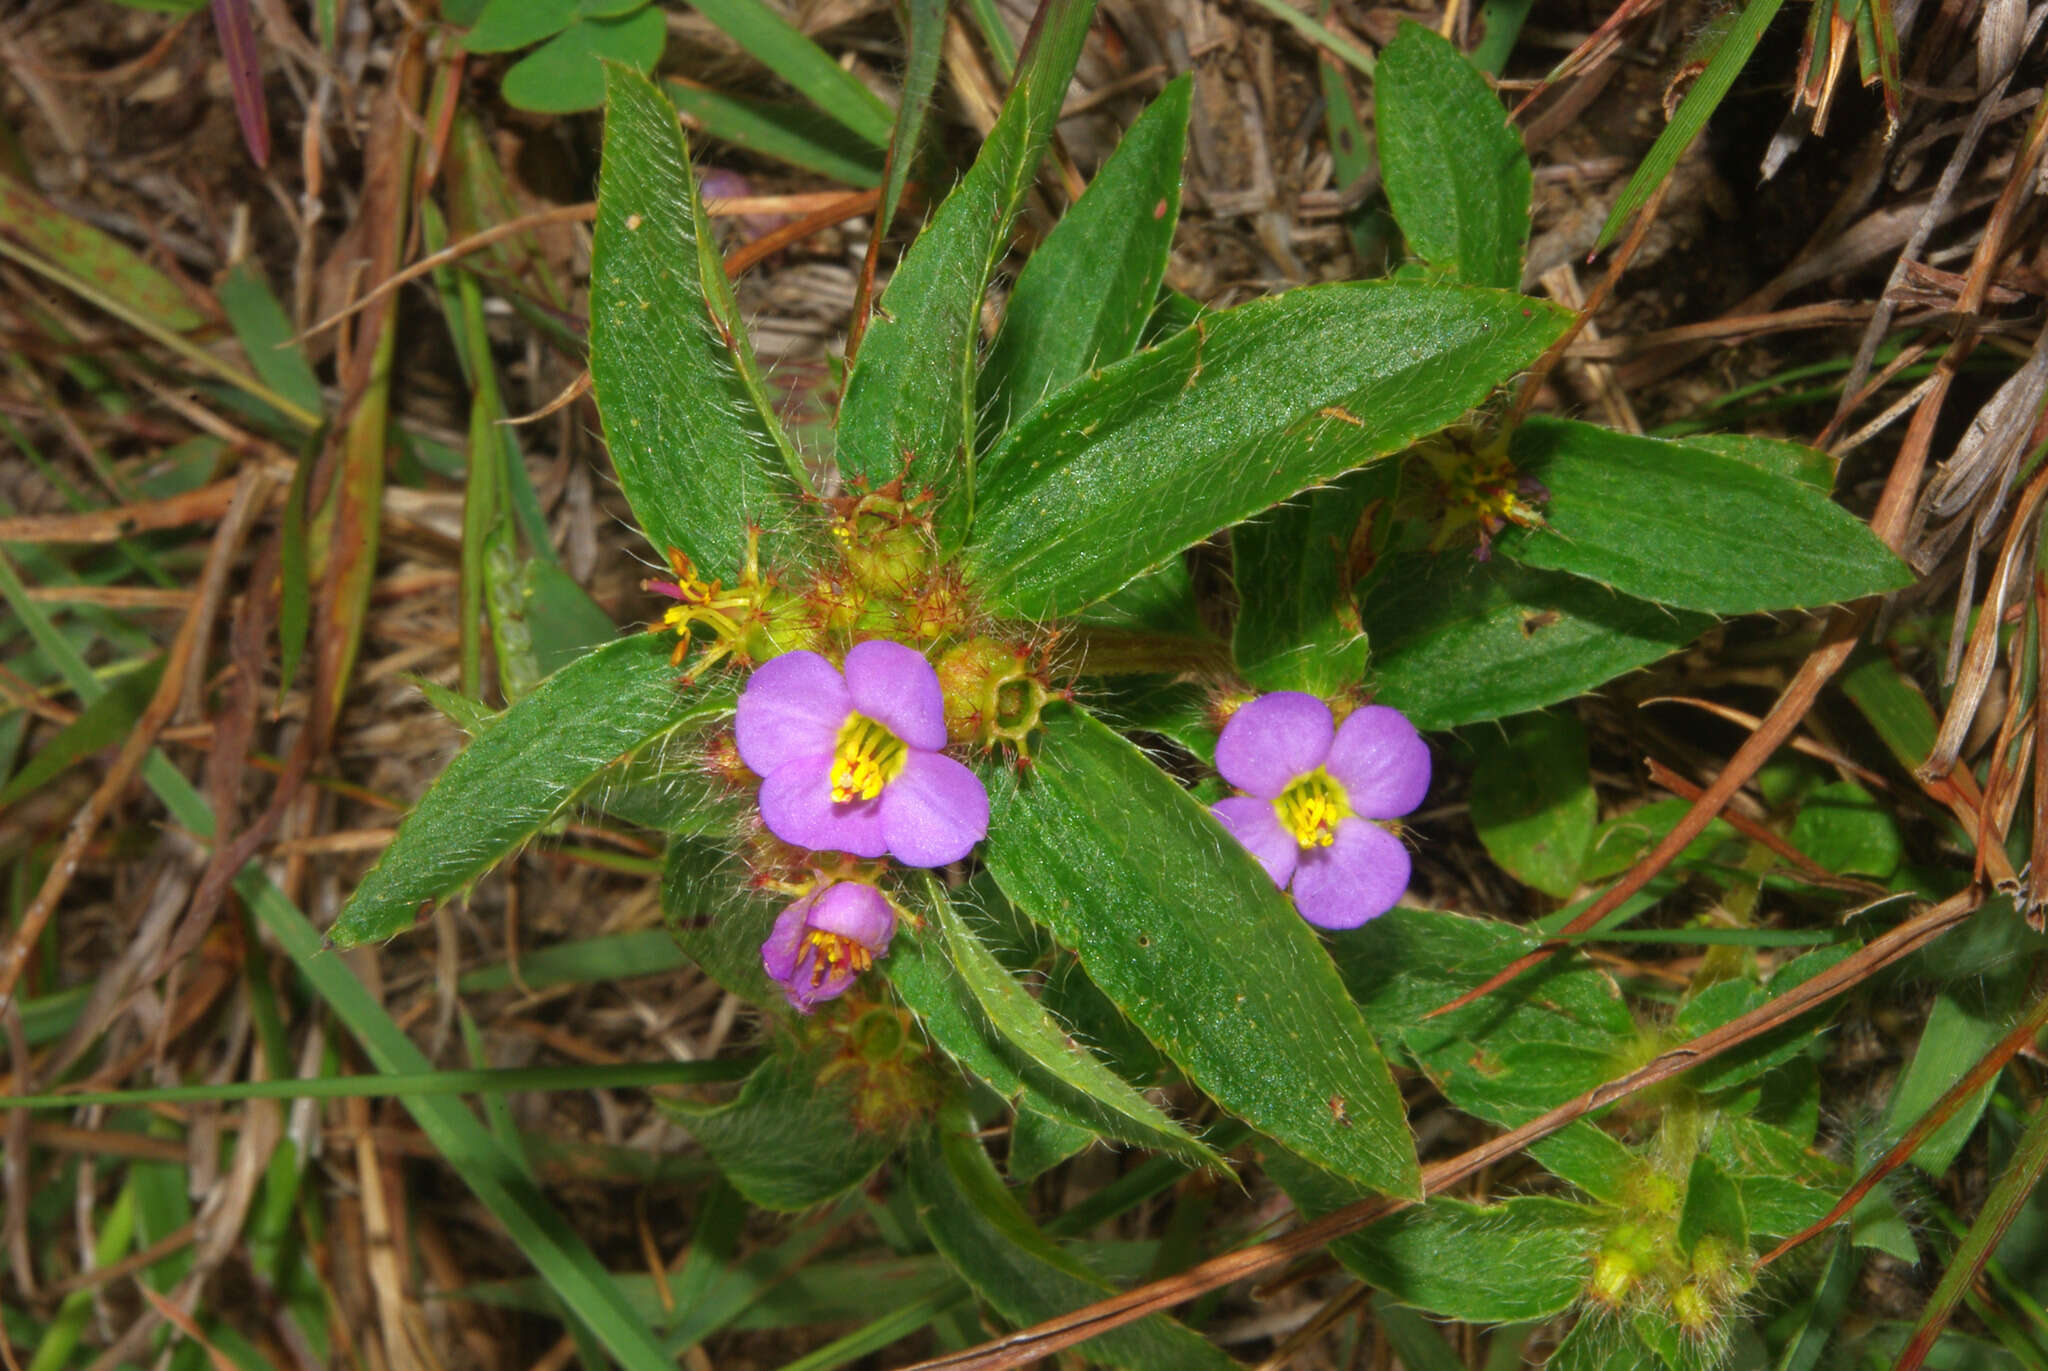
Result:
{"points": [[832, 952], [1310, 808], [866, 757]]}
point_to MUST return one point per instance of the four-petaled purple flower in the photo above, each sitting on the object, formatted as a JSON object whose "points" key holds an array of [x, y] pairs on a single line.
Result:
{"points": [[851, 762], [826, 939], [1311, 789]]}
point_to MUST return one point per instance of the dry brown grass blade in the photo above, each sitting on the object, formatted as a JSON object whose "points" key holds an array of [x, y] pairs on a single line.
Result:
{"points": [[1981, 655], [1809, 747], [204, 505], [1597, 43], [1937, 1114], [1810, 870], [837, 210], [569, 395], [806, 202], [1540, 371], [249, 495], [1057, 1334], [2037, 865], [1984, 262]]}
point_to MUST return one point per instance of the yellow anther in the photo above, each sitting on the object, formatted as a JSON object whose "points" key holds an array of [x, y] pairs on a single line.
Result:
{"points": [[831, 952], [866, 757], [1311, 808]]}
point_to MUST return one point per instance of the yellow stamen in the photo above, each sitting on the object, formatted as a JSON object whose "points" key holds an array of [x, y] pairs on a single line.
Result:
{"points": [[1311, 807], [866, 757], [831, 952]]}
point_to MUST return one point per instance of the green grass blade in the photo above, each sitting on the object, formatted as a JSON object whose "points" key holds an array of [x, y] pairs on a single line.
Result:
{"points": [[561, 1257], [782, 47], [489, 1081], [1693, 112]]}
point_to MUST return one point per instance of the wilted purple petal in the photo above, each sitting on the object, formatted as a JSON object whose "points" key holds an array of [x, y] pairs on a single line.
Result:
{"points": [[934, 812], [796, 804], [896, 687], [857, 913], [1272, 740], [1355, 879], [809, 984], [1381, 761], [1252, 822], [785, 940], [792, 707]]}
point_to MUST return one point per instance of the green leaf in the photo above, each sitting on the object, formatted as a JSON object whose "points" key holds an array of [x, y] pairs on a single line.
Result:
{"points": [[796, 134], [1713, 1208], [1725, 1001], [508, 24], [1456, 641], [1129, 465], [507, 785], [719, 918], [1692, 114], [1524, 1258], [909, 405], [1022, 1274], [1555, 1032], [1967, 1019], [102, 723], [562, 621], [1190, 938], [265, 332], [699, 453], [1084, 295], [1297, 622], [1681, 526], [94, 256], [1533, 801], [1039, 1142], [1025, 1025], [925, 976], [782, 47], [924, 41], [1420, 1344], [1408, 961], [789, 1141], [1455, 173], [566, 73], [1843, 827], [1686, 527], [1820, 1311], [1593, 1159], [1793, 461]]}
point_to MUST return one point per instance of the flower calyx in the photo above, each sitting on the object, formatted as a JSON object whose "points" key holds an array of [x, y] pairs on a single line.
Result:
{"points": [[993, 697], [1479, 487], [749, 621]]}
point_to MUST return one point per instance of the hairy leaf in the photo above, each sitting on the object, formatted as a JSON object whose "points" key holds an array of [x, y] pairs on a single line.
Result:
{"points": [[1682, 526], [1187, 934], [692, 433], [1454, 169], [509, 783], [1129, 465]]}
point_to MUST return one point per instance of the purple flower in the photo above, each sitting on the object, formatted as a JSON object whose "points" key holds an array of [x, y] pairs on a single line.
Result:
{"points": [[826, 939], [1310, 790], [851, 763]]}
